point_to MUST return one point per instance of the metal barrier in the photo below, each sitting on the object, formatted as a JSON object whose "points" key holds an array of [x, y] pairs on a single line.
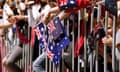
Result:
{"points": [[90, 61]]}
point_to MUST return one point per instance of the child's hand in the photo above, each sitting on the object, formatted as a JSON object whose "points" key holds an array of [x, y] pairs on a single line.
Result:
{"points": [[107, 40]]}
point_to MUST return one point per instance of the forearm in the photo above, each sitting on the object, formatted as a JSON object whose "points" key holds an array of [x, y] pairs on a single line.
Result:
{"points": [[63, 15], [54, 10], [5, 26], [21, 17]]}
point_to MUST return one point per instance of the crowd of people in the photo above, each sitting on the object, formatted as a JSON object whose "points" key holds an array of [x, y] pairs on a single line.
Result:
{"points": [[19, 17]]}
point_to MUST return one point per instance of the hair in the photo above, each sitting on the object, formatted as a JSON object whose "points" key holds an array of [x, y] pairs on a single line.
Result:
{"points": [[2, 2]]}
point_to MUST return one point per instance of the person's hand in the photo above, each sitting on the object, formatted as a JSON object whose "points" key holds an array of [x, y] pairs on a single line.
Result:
{"points": [[29, 2], [12, 19], [107, 40]]}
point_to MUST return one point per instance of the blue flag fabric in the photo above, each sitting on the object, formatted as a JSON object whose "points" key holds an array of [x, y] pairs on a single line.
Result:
{"points": [[58, 40], [54, 56], [54, 28], [41, 35], [54, 39], [111, 6], [57, 58]]}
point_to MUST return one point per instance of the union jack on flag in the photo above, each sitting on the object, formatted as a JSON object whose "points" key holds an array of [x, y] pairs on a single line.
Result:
{"points": [[41, 35], [54, 28]]}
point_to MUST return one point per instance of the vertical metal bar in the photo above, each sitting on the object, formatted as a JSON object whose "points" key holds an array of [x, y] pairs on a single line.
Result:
{"points": [[68, 35], [24, 58], [53, 68], [92, 14], [85, 43], [119, 64], [105, 48], [63, 52], [29, 50], [79, 18], [67, 26], [46, 65], [67, 70], [98, 19], [91, 29], [58, 69], [73, 48], [50, 64], [113, 43], [28, 47], [62, 62]]}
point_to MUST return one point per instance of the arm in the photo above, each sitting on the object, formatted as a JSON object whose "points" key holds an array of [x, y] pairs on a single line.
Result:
{"points": [[54, 10], [21, 17], [46, 18], [5, 26], [107, 40], [12, 20], [63, 15]]}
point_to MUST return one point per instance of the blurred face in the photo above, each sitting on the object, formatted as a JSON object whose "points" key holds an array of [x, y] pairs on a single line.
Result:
{"points": [[110, 24], [1, 12]]}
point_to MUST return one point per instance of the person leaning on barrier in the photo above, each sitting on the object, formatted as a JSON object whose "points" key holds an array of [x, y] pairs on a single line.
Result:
{"points": [[45, 18], [16, 54], [107, 40]]}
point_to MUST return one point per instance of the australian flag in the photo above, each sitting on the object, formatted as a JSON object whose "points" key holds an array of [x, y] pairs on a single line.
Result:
{"points": [[111, 6], [58, 34], [58, 40], [41, 35]]}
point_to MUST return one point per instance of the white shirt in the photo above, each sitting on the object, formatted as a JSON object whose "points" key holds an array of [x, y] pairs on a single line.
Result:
{"points": [[7, 11], [22, 6], [35, 11]]}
